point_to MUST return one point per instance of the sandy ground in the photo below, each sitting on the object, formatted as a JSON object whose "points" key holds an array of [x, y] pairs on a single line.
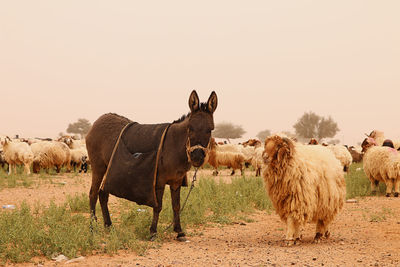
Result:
{"points": [[366, 233]]}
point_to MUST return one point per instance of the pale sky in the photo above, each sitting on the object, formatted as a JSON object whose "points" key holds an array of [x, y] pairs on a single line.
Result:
{"points": [[268, 61]]}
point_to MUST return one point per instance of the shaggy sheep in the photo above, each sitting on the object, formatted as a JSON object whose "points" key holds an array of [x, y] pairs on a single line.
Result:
{"points": [[17, 153], [229, 159], [381, 164], [71, 142], [305, 184], [342, 154], [50, 154]]}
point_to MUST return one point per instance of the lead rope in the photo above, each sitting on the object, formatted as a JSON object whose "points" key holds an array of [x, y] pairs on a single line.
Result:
{"points": [[187, 196]]}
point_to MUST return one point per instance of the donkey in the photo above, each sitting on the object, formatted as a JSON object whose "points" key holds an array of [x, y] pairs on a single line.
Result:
{"points": [[185, 144]]}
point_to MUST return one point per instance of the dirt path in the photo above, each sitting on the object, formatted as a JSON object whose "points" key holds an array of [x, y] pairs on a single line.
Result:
{"points": [[366, 233]]}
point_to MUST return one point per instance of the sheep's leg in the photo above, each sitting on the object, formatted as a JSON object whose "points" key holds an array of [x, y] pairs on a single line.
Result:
{"points": [[396, 187], [10, 168], [292, 232], [321, 230], [233, 171], [389, 187], [215, 172], [27, 168], [15, 168], [374, 184]]}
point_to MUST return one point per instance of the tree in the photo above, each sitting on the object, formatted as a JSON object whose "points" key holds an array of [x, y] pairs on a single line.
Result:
{"points": [[263, 134], [311, 125], [81, 127], [228, 130]]}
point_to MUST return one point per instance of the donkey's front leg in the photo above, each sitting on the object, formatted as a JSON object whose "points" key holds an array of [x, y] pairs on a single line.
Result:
{"points": [[176, 206], [156, 211]]}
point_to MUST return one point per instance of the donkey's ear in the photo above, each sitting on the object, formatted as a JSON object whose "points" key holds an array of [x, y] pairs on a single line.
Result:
{"points": [[212, 102], [194, 101]]}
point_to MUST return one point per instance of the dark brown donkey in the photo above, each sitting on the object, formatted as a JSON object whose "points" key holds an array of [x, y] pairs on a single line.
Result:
{"points": [[185, 144]]}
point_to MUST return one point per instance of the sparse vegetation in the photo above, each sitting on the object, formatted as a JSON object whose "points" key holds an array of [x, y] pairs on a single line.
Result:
{"points": [[53, 229]]}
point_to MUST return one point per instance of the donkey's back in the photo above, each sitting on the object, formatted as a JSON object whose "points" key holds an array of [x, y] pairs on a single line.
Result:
{"points": [[101, 139]]}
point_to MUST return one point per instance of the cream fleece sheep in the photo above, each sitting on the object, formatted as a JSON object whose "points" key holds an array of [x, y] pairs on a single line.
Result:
{"points": [[234, 160], [305, 184], [17, 153], [381, 164], [342, 154], [50, 154], [76, 156]]}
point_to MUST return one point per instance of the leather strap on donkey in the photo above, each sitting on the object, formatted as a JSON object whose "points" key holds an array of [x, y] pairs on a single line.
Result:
{"points": [[133, 167]]}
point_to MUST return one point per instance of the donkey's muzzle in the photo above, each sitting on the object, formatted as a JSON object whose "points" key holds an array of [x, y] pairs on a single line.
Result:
{"points": [[197, 157]]}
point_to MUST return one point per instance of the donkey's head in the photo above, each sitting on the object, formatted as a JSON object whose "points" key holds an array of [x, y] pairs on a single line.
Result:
{"points": [[201, 123]]}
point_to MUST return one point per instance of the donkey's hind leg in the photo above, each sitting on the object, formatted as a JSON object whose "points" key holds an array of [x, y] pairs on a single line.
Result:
{"points": [[97, 177], [103, 197]]}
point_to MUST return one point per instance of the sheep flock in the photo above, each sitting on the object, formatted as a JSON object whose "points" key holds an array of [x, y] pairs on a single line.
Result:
{"points": [[42, 154], [305, 181]]}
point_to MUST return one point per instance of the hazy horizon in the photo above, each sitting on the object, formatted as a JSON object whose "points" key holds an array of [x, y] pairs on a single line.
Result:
{"points": [[268, 61]]}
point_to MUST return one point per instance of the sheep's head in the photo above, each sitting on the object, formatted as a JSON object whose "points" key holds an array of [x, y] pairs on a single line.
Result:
{"points": [[388, 143], [367, 143], [313, 141], [277, 151]]}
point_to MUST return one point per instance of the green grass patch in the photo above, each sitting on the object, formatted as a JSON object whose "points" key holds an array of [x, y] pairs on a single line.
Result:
{"points": [[357, 183]]}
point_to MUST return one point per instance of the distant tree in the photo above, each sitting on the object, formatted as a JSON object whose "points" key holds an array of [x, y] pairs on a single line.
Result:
{"points": [[311, 125], [81, 127], [263, 134], [228, 131]]}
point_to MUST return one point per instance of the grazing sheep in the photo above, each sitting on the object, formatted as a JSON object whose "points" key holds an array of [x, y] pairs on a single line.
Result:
{"points": [[76, 156], [71, 142], [305, 184], [381, 164], [17, 153], [229, 159], [342, 154], [50, 154]]}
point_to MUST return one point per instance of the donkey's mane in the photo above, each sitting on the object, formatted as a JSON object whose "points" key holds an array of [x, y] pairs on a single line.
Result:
{"points": [[203, 107]]}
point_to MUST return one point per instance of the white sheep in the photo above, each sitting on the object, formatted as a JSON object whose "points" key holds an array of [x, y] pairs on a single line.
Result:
{"points": [[77, 155], [17, 153], [343, 155], [381, 164], [49, 154], [216, 158], [305, 184]]}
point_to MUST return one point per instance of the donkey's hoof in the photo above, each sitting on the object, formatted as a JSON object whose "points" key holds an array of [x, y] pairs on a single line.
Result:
{"points": [[327, 234], [396, 194], [153, 237], [387, 194], [181, 237]]}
